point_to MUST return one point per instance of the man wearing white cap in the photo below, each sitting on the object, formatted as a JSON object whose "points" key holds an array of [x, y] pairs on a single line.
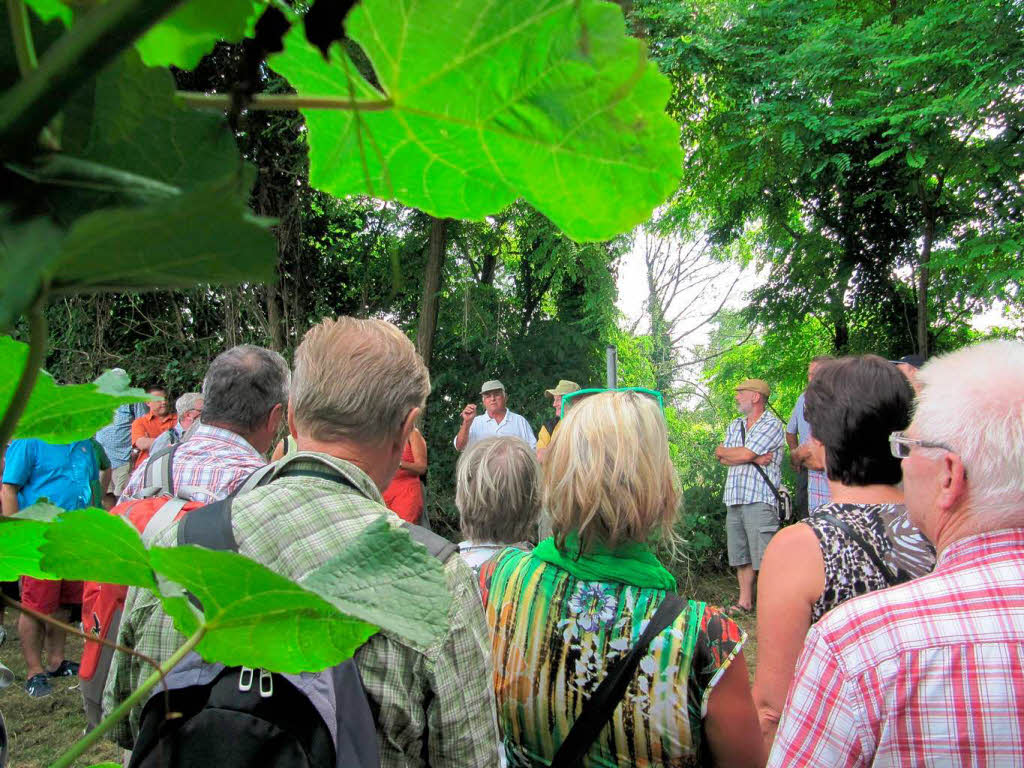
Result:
{"points": [[496, 420], [549, 427]]}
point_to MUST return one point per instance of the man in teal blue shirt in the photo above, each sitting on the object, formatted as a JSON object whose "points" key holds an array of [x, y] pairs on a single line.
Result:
{"points": [[69, 476]]}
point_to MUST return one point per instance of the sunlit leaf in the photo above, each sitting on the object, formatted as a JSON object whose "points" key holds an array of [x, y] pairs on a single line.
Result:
{"points": [[483, 103], [192, 30], [94, 545], [61, 414], [258, 618], [386, 578], [20, 541]]}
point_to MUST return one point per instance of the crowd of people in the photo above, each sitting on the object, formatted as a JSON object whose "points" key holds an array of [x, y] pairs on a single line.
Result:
{"points": [[890, 618]]}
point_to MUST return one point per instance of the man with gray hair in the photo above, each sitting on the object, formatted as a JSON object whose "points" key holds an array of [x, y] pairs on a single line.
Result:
{"points": [[929, 672], [496, 421], [244, 396], [358, 388], [188, 407]]}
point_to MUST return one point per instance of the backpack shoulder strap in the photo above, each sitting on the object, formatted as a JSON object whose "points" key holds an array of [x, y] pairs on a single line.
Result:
{"points": [[436, 545], [209, 527], [598, 709], [162, 518], [873, 555]]}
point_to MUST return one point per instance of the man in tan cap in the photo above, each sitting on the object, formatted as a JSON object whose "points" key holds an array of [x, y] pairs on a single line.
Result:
{"points": [[549, 427], [497, 420], [752, 451]]}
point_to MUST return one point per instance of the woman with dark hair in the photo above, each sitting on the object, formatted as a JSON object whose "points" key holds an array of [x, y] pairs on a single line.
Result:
{"points": [[860, 542]]}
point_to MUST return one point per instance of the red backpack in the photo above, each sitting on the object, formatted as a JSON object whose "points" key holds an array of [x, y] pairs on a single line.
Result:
{"points": [[159, 505]]}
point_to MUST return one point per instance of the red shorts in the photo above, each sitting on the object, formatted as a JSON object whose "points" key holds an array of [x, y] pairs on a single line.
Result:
{"points": [[45, 596]]}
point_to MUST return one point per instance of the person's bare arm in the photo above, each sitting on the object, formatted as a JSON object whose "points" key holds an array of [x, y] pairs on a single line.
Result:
{"points": [[814, 455], [792, 577], [144, 443], [468, 414], [732, 457], [731, 721], [9, 499], [418, 465]]}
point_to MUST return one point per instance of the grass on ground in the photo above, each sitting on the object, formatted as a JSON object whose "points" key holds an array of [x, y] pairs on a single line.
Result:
{"points": [[40, 730]]}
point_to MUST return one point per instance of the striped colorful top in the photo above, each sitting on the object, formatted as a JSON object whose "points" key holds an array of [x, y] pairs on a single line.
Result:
{"points": [[553, 638]]}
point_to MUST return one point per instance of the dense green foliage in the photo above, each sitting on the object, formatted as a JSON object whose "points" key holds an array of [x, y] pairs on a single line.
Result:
{"points": [[112, 183], [871, 154]]}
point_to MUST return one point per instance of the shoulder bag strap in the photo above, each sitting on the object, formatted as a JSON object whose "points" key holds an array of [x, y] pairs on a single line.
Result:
{"points": [[598, 709], [873, 555], [760, 469]]}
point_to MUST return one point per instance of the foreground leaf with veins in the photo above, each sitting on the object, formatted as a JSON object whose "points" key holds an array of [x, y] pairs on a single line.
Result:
{"points": [[481, 103], [94, 545], [62, 414], [20, 543], [257, 618], [386, 578]]}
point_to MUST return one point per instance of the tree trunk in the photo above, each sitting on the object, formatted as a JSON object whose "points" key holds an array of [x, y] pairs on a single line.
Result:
{"points": [[922, 287], [274, 316], [432, 288]]}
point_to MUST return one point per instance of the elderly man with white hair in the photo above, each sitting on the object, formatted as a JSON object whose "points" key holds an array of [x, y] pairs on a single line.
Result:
{"points": [[188, 407], [931, 672]]}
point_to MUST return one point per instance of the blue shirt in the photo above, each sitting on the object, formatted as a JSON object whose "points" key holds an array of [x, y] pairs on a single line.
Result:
{"points": [[116, 438], [64, 473], [798, 422]]}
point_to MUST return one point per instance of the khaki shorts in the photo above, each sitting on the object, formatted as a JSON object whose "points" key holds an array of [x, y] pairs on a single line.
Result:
{"points": [[119, 477], [748, 529]]}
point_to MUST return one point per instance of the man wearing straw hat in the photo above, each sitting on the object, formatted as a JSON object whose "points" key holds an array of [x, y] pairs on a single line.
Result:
{"points": [[549, 427]]}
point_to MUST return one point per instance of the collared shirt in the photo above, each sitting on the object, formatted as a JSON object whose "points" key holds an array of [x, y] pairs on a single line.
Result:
{"points": [[926, 673], [153, 426], [67, 474], [434, 705], [818, 491], [743, 483], [213, 462], [512, 425], [116, 438]]}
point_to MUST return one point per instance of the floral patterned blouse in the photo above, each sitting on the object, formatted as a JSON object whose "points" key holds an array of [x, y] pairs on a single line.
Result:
{"points": [[554, 636]]}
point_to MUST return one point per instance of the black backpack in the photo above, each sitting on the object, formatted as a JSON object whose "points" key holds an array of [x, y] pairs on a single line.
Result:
{"points": [[235, 717]]}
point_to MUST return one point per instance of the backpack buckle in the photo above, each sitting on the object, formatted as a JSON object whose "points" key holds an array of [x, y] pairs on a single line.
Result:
{"points": [[245, 679], [266, 684]]}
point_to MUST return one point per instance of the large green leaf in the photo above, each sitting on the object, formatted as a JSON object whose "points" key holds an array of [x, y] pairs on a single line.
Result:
{"points": [[28, 249], [62, 414], [548, 100], [51, 9], [256, 617], [205, 234], [130, 119], [384, 577], [94, 545], [191, 31], [20, 542]]}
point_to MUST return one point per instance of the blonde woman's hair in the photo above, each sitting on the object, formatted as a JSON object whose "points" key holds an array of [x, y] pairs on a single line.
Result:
{"points": [[356, 380], [608, 475], [497, 491]]}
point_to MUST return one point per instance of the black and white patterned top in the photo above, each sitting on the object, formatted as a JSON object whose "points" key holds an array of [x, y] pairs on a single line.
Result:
{"points": [[849, 570]]}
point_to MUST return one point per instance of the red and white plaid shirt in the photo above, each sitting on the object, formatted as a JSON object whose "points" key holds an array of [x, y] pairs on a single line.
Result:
{"points": [[927, 673], [213, 459]]}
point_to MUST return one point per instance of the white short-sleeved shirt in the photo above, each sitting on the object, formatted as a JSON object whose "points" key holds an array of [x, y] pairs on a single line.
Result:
{"points": [[513, 425]]}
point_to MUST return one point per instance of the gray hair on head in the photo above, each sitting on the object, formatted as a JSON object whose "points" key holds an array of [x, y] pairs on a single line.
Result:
{"points": [[497, 491], [187, 402], [242, 386], [356, 380]]}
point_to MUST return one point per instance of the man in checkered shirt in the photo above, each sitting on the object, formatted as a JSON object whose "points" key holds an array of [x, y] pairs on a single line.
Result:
{"points": [[756, 438], [931, 672], [358, 388]]}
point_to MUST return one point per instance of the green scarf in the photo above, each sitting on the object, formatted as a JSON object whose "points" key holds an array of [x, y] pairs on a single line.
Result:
{"points": [[628, 563]]}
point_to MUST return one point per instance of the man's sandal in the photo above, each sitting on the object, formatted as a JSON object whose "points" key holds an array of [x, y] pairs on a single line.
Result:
{"points": [[738, 610]]}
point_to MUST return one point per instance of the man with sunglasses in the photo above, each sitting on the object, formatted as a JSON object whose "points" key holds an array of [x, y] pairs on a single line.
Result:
{"points": [[929, 672], [497, 419]]}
